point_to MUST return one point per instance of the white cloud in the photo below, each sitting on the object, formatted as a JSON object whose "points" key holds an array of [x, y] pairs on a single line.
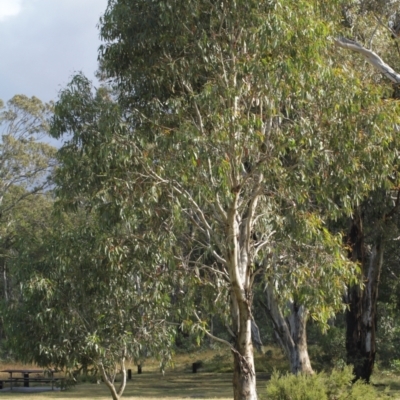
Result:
{"points": [[46, 43], [9, 8]]}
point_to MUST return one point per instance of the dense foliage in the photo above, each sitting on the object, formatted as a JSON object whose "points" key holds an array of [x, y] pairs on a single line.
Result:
{"points": [[223, 158]]}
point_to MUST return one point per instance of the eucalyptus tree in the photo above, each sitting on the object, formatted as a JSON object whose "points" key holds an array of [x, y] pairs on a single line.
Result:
{"points": [[239, 116], [88, 300], [26, 164], [28, 218], [24, 160], [304, 281], [372, 227], [387, 334], [99, 175]]}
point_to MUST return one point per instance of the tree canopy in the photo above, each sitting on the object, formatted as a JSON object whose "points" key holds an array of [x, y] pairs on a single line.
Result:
{"points": [[222, 152]]}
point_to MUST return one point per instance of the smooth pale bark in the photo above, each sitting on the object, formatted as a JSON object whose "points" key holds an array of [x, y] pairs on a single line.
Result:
{"points": [[5, 283], [244, 377], [109, 381], [290, 332], [371, 57], [238, 261], [362, 301], [299, 358], [236, 252]]}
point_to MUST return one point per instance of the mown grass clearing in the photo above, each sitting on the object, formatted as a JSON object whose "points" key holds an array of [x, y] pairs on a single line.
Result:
{"points": [[174, 386], [213, 381], [151, 385]]}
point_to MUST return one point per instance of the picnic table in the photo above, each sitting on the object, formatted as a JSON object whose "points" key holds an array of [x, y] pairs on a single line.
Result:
{"points": [[26, 378]]}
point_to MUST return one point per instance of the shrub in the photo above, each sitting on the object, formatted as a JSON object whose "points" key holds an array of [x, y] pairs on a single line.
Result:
{"points": [[395, 366], [336, 386], [300, 387]]}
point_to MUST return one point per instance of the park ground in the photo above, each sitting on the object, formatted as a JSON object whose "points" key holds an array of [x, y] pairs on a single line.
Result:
{"points": [[213, 380]]}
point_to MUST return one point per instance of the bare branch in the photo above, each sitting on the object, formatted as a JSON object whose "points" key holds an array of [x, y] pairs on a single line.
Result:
{"points": [[180, 189], [216, 271], [254, 274], [395, 208], [260, 245], [249, 222], [219, 258], [221, 209], [383, 24], [212, 336], [369, 56]]}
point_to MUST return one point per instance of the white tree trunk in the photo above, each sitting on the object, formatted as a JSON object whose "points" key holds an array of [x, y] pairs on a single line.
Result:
{"points": [[299, 358], [239, 268], [244, 376], [290, 333]]}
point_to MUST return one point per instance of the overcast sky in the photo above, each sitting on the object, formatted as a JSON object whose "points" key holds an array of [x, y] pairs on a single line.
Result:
{"points": [[43, 42]]}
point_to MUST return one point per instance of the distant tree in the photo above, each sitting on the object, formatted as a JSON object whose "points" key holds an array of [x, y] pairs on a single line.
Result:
{"points": [[24, 160], [26, 165], [104, 290]]}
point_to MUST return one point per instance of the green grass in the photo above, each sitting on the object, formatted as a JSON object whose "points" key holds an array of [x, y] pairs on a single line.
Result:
{"points": [[151, 385], [213, 381], [220, 359], [178, 382], [388, 382], [174, 385]]}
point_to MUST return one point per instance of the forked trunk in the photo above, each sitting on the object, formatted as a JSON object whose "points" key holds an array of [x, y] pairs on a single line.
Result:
{"points": [[361, 315], [239, 265], [116, 394], [290, 332]]}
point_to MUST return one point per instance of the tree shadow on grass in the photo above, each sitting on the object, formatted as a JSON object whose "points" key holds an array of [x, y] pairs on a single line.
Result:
{"points": [[155, 385]]}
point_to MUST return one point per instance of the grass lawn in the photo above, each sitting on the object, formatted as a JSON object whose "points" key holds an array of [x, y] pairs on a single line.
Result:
{"points": [[178, 382], [174, 385], [386, 381], [151, 385], [213, 381]]}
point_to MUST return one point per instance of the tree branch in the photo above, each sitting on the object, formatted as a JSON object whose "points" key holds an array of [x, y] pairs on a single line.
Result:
{"points": [[395, 207], [369, 56], [210, 335]]}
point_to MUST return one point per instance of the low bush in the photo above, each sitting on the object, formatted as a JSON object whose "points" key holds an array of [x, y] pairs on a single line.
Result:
{"points": [[322, 386]]}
